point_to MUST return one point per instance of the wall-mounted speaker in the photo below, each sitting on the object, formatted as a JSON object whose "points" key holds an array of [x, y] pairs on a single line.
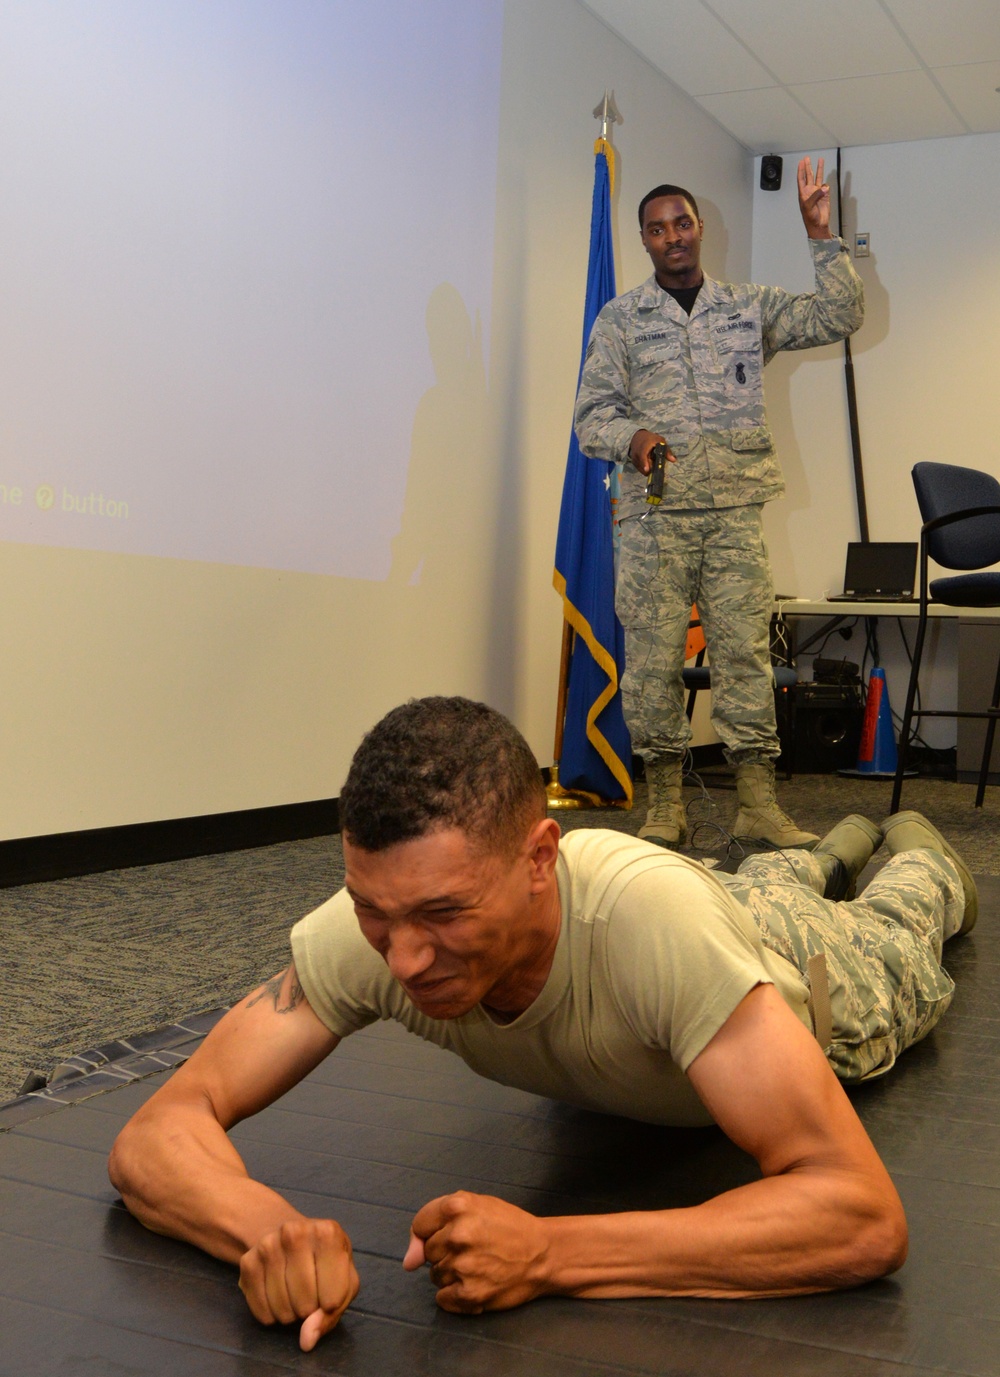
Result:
{"points": [[770, 172], [827, 727]]}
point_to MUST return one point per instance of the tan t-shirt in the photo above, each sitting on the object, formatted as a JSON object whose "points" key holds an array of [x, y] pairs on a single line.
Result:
{"points": [[653, 956]]}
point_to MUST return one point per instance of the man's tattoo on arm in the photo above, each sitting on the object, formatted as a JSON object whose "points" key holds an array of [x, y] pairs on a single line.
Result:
{"points": [[273, 987]]}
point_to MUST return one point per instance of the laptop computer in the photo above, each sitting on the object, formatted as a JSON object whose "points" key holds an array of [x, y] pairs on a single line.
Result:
{"points": [[879, 571]]}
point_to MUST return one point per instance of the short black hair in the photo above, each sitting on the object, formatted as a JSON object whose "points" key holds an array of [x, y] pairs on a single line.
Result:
{"points": [[442, 762], [666, 190]]}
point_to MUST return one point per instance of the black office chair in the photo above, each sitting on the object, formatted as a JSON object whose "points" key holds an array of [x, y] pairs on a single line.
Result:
{"points": [[699, 676], [961, 530]]}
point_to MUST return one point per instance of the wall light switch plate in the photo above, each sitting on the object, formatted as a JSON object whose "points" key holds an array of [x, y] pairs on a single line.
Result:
{"points": [[861, 245]]}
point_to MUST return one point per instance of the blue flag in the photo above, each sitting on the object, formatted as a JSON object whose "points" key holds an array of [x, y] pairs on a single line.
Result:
{"points": [[597, 752]]}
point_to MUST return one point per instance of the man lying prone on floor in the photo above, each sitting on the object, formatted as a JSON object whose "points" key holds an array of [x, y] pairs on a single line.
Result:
{"points": [[597, 969]]}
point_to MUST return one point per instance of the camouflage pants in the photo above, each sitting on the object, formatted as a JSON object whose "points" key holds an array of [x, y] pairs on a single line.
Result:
{"points": [[883, 949], [718, 559]]}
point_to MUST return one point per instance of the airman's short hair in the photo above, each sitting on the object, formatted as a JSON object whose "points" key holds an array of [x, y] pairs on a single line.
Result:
{"points": [[436, 763]]}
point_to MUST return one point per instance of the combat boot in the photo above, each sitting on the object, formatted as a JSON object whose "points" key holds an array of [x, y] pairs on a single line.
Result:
{"points": [[666, 821], [844, 853], [759, 817], [912, 832]]}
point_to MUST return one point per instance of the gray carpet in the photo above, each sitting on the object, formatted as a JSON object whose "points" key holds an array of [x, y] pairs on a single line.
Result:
{"points": [[106, 956]]}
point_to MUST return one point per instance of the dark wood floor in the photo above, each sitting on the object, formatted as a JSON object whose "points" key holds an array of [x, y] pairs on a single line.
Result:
{"points": [[388, 1123]]}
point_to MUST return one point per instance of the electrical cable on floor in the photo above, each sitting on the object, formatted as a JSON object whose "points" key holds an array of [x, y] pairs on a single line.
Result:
{"points": [[707, 835], [704, 833]]}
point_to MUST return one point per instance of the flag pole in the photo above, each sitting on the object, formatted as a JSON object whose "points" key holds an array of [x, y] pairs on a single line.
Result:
{"points": [[608, 113], [558, 796], [565, 655]]}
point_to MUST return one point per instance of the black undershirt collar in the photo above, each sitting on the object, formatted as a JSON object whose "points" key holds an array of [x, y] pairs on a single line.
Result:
{"points": [[685, 296]]}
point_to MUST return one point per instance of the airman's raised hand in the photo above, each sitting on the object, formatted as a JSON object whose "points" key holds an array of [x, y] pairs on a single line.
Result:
{"points": [[814, 200]]}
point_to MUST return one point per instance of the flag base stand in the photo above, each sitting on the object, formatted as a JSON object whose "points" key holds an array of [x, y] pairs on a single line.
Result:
{"points": [[558, 797], [876, 774]]}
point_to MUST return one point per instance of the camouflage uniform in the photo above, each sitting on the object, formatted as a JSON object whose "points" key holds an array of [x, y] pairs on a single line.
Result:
{"points": [[698, 380], [883, 949]]}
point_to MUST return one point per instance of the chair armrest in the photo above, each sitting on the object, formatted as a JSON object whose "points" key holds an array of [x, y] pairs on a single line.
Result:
{"points": [[952, 517]]}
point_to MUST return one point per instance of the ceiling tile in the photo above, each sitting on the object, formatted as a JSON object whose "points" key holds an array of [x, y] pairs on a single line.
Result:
{"points": [[881, 109], [766, 121], [973, 91], [859, 78], [948, 32], [684, 41], [802, 40]]}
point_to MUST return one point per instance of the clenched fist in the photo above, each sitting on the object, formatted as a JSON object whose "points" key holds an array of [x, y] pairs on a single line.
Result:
{"points": [[484, 1254], [301, 1271]]}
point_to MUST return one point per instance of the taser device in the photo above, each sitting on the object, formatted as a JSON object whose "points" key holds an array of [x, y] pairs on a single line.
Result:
{"points": [[654, 484]]}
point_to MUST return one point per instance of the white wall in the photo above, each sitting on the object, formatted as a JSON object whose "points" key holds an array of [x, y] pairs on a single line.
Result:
{"points": [[924, 364], [138, 688]]}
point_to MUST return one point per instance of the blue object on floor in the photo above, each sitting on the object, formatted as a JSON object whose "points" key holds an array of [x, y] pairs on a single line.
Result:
{"points": [[877, 750]]}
